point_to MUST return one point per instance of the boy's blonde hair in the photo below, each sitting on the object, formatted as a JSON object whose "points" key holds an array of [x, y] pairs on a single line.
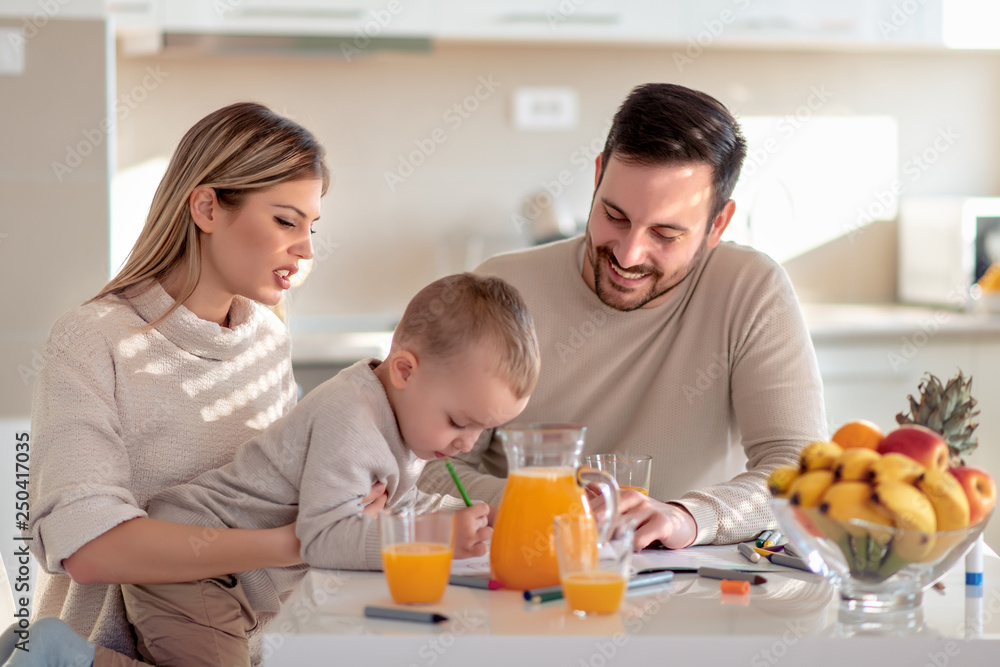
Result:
{"points": [[456, 311]]}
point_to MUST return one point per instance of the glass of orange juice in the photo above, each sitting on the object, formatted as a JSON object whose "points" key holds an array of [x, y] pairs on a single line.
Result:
{"points": [[593, 575], [631, 471], [416, 553]]}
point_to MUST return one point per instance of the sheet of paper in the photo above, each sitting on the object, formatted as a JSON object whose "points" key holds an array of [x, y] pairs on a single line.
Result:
{"points": [[725, 556], [472, 567]]}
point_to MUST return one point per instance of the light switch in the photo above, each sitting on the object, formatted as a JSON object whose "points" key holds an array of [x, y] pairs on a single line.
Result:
{"points": [[546, 109], [11, 51]]}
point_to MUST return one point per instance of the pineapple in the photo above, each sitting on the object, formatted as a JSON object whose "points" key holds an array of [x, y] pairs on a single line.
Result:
{"points": [[947, 409]]}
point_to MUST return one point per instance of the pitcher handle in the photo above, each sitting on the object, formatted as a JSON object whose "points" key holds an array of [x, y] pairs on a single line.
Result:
{"points": [[609, 489]]}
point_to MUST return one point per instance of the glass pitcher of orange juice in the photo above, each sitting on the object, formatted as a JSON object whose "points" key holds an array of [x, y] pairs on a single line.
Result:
{"points": [[544, 480]]}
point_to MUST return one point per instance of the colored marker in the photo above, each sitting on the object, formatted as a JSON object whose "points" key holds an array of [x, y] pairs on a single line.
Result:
{"points": [[748, 552], [404, 615], [974, 564], [734, 575], [733, 587], [475, 582], [650, 579], [653, 578], [772, 539], [763, 537], [458, 482], [790, 561], [543, 594]]}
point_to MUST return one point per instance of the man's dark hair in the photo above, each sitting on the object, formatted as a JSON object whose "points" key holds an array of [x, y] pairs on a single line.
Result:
{"points": [[667, 124]]}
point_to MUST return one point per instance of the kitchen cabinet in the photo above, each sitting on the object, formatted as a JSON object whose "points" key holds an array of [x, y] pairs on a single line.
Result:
{"points": [[560, 20], [870, 379], [360, 18], [764, 24], [137, 25], [134, 13], [813, 24]]}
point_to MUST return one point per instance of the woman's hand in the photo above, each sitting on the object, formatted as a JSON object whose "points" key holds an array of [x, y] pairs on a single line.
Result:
{"points": [[472, 531], [287, 546]]}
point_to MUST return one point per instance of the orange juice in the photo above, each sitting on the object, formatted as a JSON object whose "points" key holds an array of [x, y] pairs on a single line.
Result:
{"points": [[594, 592], [644, 491], [417, 571], [523, 553]]}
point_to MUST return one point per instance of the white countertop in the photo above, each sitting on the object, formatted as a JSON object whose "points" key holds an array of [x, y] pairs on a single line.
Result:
{"points": [[342, 340], [684, 622], [833, 321]]}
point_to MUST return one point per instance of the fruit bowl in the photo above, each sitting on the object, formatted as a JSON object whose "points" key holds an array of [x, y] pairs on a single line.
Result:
{"points": [[878, 568]]}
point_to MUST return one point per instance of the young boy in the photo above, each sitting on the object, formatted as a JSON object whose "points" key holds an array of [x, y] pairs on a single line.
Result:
{"points": [[464, 358]]}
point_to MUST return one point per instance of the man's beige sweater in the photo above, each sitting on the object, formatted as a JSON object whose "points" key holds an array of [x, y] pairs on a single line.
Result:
{"points": [[719, 383], [120, 414]]}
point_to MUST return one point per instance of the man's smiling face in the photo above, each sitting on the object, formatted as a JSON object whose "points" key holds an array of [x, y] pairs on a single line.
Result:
{"points": [[648, 229]]}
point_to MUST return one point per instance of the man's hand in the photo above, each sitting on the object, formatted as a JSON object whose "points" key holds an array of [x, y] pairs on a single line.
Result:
{"points": [[375, 501], [671, 524], [472, 531]]}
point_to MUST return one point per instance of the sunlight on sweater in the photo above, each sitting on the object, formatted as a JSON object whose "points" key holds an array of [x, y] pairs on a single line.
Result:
{"points": [[263, 419], [243, 395], [133, 345], [261, 349]]}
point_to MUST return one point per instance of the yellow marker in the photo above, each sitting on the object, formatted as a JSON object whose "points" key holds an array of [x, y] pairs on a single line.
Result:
{"points": [[772, 539]]}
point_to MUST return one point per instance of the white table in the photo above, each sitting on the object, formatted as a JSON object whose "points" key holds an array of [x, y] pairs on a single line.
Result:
{"points": [[793, 619]]}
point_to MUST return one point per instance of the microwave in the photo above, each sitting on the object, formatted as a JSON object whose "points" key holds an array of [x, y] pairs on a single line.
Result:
{"points": [[945, 246]]}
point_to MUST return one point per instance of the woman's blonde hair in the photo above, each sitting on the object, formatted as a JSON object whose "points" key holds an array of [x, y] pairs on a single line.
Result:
{"points": [[236, 150]]}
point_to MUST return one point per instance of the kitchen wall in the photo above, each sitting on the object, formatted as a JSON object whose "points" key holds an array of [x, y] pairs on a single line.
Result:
{"points": [[379, 242], [54, 186]]}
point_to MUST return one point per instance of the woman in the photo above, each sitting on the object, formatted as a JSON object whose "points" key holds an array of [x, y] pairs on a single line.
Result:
{"points": [[168, 370]]}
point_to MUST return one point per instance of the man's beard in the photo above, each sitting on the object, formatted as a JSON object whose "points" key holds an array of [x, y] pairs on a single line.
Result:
{"points": [[612, 295]]}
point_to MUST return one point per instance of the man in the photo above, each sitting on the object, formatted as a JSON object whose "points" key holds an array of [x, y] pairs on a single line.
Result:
{"points": [[661, 340]]}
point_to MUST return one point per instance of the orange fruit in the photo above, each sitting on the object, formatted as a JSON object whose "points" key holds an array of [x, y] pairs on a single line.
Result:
{"points": [[990, 281], [859, 433]]}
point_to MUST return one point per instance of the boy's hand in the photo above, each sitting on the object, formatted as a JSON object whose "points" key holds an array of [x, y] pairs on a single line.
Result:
{"points": [[472, 531], [375, 501]]}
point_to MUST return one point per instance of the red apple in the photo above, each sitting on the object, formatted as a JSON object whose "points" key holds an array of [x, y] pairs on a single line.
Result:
{"points": [[979, 488], [920, 443]]}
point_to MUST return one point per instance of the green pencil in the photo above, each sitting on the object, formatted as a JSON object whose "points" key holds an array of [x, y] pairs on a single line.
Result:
{"points": [[458, 483]]}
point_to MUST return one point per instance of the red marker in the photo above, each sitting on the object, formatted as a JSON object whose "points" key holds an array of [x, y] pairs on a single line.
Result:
{"points": [[475, 582]]}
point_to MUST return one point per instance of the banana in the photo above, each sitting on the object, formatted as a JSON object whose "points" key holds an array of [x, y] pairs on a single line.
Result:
{"points": [[819, 455], [855, 464], [909, 508], [852, 500], [951, 505], [913, 513], [781, 479], [808, 488], [895, 467]]}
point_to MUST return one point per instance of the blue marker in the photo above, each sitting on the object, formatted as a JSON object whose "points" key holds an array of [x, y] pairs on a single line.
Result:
{"points": [[974, 564]]}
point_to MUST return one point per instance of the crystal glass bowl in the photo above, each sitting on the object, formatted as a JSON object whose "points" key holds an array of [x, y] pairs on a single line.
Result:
{"points": [[878, 568]]}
